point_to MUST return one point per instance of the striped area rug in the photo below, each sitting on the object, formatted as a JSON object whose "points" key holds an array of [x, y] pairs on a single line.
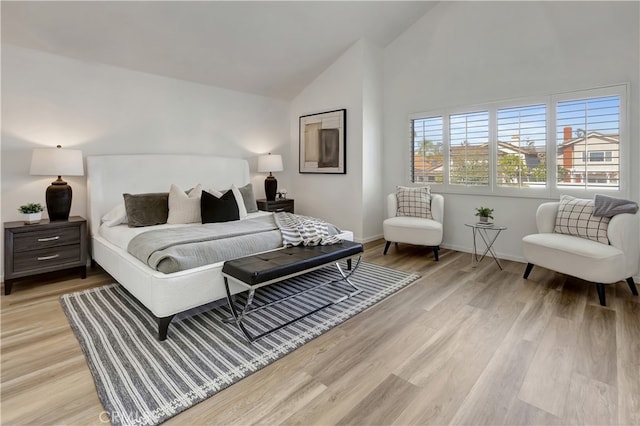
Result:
{"points": [[142, 381]]}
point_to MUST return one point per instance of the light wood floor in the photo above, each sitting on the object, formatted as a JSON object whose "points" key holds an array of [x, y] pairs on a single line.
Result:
{"points": [[462, 346]]}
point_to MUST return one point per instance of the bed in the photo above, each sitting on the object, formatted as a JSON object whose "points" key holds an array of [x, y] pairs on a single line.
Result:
{"points": [[163, 294]]}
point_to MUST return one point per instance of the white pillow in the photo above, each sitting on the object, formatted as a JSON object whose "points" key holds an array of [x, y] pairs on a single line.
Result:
{"points": [[242, 209], [184, 208], [116, 216]]}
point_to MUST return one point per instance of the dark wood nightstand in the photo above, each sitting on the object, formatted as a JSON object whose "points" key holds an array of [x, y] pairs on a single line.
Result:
{"points": [[277, 205], [44, 247]]}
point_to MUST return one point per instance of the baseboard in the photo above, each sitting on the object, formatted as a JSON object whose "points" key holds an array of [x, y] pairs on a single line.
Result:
{"points": [[369, 239]]}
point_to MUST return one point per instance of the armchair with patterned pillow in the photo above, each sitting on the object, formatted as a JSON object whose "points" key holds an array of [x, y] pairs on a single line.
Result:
{"points": [[415, 216], [594, 240]]}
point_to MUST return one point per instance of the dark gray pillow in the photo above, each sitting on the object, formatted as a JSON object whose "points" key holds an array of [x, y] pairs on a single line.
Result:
{"points": [[146, 209], [223, 209], [248, 198]]}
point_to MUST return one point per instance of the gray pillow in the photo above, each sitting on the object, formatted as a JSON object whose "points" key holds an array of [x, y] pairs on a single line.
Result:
{"points": [[146, 209], [248, 198]]}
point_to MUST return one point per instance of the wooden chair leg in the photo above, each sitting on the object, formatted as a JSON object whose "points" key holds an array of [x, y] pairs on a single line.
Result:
{"points": [[386, 247], [163, 327], [632, 286], [600, 288], [435, 252], [527, 270]]}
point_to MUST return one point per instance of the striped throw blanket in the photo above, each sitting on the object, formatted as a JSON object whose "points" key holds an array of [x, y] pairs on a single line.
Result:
{"points": [[303, 230]]}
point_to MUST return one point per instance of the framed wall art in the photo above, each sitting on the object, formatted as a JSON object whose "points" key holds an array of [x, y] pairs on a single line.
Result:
{"points": [[323, 142]]}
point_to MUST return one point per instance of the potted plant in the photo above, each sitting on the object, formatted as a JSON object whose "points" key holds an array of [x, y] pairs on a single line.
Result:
{"points": [[32, 212], [485, 213]]}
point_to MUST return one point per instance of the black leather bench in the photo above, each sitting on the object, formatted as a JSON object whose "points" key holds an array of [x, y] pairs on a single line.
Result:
{"points": [[253, 272]]}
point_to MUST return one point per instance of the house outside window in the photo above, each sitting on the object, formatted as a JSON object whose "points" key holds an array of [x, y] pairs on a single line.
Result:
{"points": [[522, 145], [588, 143], [469, 149], [545, 146]]}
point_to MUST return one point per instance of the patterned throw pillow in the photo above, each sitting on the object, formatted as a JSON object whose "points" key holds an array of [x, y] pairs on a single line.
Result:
{"points": [[575, 217], [414, 202]]}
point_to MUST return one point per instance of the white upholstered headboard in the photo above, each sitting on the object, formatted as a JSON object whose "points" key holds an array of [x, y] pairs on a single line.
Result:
{"points": [[110, 176]]}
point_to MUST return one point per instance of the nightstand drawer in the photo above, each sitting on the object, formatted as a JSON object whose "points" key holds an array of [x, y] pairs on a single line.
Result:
{"points": [[44, 258], [47, 238], [283, 209], [279, 205]]}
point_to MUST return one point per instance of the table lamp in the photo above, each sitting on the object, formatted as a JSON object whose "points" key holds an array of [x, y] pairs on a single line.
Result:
{"points": [[57, 162], [270, 163]]}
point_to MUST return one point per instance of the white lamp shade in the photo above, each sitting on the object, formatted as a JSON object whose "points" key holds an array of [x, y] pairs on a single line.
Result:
{"points": [[57, 162], [270, 163]]}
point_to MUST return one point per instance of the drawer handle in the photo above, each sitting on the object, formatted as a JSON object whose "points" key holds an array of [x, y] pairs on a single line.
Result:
{"points": [[49, 257], [42, 240]]}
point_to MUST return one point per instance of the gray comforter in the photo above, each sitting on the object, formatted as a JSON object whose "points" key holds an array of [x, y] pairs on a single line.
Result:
{"points": [[177, 249], [181, 248]]}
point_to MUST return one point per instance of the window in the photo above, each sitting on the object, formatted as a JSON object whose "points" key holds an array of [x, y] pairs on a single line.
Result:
{"points": [[589, 129], [599, 156], [469, 149], [522, 146], [426, 150], [508, 147]]}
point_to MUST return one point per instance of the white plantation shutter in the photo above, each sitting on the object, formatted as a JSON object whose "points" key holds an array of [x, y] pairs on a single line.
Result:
{"points": [[588, 141], [426, 150], [522, 146], [469, 149]]}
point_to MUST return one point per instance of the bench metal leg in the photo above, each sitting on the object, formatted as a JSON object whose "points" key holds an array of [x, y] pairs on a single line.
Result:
{"points": [[345, 278], [238, 317]]}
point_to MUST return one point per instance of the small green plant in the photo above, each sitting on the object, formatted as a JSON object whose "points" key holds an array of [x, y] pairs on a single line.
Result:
{"points": [[31, 208], [484, 212]]}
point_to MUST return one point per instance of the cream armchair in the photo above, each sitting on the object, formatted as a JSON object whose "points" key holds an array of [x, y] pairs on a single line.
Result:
{"points": [[414, 230], [586, 259]]}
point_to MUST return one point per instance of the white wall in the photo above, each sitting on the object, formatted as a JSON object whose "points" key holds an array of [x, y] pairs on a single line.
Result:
{"points": [[465, 53], [344, 199], [372, 117], [49, 100]]}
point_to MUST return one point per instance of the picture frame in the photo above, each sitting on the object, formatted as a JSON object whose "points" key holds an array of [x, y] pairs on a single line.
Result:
{"points": [[323, 142]]}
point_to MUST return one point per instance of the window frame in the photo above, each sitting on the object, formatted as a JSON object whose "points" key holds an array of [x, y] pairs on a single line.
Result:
{"points": [[551, 189], [607, 156]]}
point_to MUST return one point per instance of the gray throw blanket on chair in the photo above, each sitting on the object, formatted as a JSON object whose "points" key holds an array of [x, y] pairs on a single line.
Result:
{"points": [[303, 230], [610, 206]]}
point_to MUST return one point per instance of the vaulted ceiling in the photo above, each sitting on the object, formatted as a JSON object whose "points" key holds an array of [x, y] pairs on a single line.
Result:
{"points": [[269, 48]]}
